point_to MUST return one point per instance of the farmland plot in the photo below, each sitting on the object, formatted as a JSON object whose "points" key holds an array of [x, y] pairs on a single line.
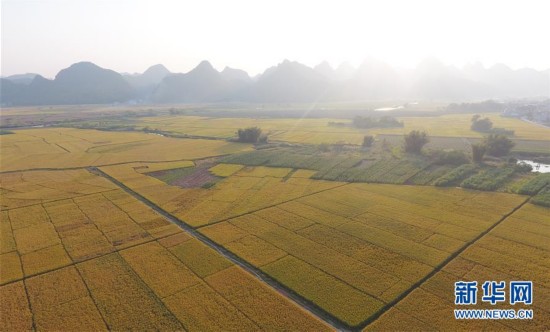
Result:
{"points": [[336, 234], [21, 189], [103, 260], [395, 235], [349, 249], [316, 131], [516, 249], [65, 148], [246, 190], [68, 224]]}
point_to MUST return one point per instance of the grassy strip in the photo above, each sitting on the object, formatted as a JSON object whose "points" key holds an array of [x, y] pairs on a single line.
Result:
{"points": [[535, 185], [456, 175], [489, 180], [542, 198]]}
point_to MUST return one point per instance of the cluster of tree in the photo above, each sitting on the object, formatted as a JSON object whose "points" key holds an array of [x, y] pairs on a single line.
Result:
{"points": [[365, 122], [337, 124], [521, 167], [478, 151], [251, 135], [452, 157], [150, 130], [174, 111], [502, 131], [484, 106], [498, 145], [495, 145], [368, 141], [415, 141], [481, 124], [485, 125]]}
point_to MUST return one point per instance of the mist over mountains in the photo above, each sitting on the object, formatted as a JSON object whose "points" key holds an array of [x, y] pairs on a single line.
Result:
{"points": [[289, 81], [81, 83]]}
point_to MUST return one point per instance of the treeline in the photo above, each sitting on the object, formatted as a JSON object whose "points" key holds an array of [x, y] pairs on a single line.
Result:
{"points": [[365, 122], [488, 106], [251, 135], [485, 125]]}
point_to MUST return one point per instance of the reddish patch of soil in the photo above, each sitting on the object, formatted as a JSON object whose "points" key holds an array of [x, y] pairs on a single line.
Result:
{"points": [[197, 179]]}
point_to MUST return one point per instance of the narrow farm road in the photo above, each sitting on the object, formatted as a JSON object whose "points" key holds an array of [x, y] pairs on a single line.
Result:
{"points": [[259, 274]]}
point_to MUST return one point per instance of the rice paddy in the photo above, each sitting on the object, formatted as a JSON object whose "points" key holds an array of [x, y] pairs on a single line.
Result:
{"points": [[65, 148], [103, 260], [516, 249], [264, 239], [333, 234], [316, 131]]}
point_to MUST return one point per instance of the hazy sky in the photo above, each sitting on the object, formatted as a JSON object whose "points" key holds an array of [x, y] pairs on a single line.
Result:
{"points": [[45, 36]]}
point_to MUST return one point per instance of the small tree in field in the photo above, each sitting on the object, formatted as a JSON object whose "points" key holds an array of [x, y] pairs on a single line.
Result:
{"points": [[368, 141], [479, 124], [478, 151], [415, 141], [498, 145], [249, 135]]}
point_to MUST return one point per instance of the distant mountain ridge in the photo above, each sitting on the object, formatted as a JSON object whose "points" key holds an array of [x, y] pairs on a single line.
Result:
{"points": [[152, 76], [144, 84], [22, 78], [81, 83], [289, 81], [202, 84]]}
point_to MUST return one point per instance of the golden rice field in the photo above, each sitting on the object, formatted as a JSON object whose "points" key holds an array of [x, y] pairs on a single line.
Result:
{"points": [[103, 260], [516, 249], [77, 252], [359, 246], [315, 131], [20, 189], [225, 170], [349, 248], [66, 148], [249, 189]]}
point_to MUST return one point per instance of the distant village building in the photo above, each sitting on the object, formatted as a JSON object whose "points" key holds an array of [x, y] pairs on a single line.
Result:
{"points": [[533, 111]]}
